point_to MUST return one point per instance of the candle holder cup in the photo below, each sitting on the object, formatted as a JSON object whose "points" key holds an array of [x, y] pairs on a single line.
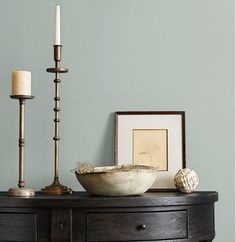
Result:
{"points": [[21, 190], [56, 188]]}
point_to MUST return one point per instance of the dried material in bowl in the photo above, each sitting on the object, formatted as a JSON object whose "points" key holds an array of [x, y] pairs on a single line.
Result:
{"points": [[117, 180]]}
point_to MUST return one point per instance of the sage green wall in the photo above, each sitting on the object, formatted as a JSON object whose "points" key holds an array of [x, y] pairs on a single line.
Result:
{"points": [[122, 55]]}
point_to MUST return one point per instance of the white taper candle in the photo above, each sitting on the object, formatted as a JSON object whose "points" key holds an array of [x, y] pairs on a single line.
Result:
{"points": [[58, 26]]}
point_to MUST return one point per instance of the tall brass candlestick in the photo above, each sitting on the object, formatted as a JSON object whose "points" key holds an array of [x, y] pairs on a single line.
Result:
{"points": [[56, 188], [21, 191]]}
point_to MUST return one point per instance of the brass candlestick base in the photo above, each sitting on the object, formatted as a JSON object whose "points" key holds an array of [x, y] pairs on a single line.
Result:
{"points": [[21, 190], [56, 188]]}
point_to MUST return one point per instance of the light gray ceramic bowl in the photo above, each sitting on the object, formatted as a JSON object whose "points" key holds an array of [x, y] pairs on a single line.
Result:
{"points": [[122, 180]]}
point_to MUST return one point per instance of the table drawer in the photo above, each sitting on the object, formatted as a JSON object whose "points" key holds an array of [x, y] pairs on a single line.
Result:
{"points": [[17, 227], [136, 226]]}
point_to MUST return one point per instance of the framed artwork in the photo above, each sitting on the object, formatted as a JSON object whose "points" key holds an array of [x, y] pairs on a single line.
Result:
{"points": [[153, 139]]}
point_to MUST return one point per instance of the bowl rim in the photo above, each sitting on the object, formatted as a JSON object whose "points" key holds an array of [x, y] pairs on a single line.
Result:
{"points": [[113, 169]]}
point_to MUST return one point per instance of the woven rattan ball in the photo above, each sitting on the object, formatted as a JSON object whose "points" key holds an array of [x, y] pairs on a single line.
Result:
{"points": [[186, 180]]}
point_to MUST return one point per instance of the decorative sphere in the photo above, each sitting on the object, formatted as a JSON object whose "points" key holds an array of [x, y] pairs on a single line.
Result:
{"points": [[186, 180]]}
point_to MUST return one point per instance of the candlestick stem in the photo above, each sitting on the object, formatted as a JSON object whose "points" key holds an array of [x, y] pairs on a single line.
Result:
{"points": [[56, 188], [21, 142], [57, 110], [21, 191]]}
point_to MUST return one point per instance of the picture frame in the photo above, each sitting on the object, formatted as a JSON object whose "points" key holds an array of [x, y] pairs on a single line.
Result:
{"points": [[153, 138]]}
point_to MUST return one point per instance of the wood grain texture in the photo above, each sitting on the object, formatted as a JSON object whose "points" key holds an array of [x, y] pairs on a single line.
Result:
{"points": [[43, 224], [80, 217], [79, 225], [201, 221], [83, 200], [17, 227], [136, 226], [61, 225]]}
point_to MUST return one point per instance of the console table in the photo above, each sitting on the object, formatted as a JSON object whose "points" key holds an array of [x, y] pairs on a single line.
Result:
{"points": [[80, 217]]}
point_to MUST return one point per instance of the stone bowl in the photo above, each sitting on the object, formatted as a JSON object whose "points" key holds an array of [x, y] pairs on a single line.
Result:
{"points": [[125, 180]]}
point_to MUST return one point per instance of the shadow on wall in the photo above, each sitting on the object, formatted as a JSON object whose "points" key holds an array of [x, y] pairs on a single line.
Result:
{"points": [[105, 151]]}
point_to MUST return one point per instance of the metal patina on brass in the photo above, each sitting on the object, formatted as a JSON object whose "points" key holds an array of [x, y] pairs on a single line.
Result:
{"points": [[21, 190], [56, 188]]}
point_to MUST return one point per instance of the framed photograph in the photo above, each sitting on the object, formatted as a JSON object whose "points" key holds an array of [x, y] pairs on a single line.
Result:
{"points": [[153, 139]]}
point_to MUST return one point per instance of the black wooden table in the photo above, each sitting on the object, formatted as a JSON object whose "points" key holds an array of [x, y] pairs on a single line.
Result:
{"points": [[79, 217]]}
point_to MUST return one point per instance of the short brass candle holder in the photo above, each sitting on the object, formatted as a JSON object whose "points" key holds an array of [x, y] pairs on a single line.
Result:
{"points": [[21, 190], [56, 188]]}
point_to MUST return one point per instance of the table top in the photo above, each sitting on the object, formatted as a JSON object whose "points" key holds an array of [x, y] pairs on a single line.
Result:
{"points": [[83, 199]]}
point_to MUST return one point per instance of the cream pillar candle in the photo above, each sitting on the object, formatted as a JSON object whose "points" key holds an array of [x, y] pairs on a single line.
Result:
{"points": [[21, 83], [58, 27]]}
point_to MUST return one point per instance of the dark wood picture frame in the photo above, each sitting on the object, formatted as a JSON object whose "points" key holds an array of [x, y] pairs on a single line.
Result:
{"points": [[121, 118]]}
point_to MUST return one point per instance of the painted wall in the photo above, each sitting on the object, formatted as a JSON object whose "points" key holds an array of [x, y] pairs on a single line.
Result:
{"points": [[122, 55]]}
